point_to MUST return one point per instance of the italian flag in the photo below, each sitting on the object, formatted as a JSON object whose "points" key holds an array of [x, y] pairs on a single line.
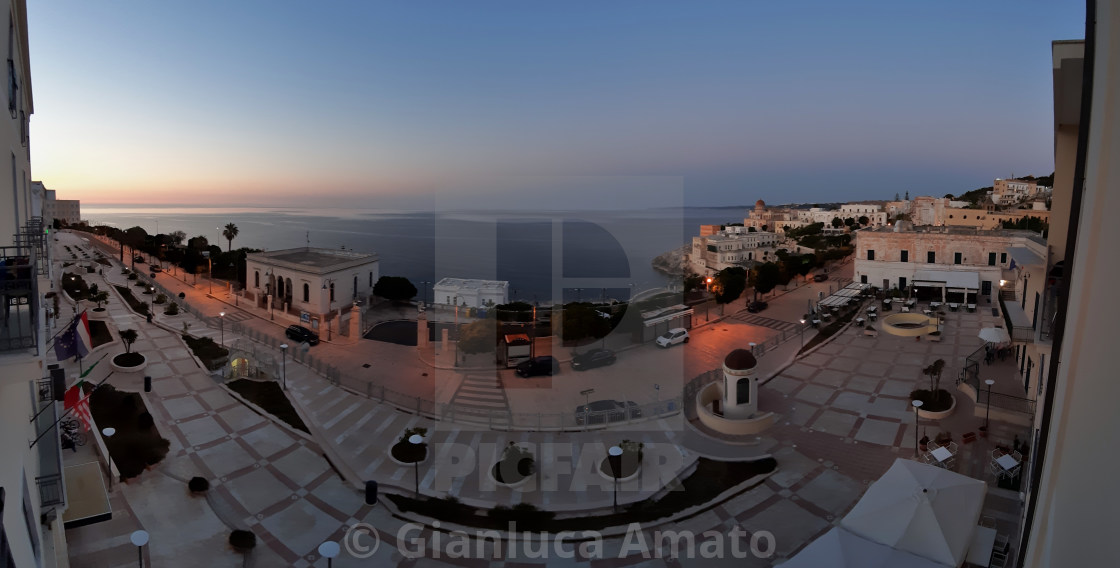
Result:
{"points": [[78, 401], [83, 331]]}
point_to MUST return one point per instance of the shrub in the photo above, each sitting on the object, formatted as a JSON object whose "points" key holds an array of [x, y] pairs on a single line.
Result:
{"points": [[160, 298], [173, 309], [198, 484], [145, 421], [182, 295], [133, 276], [242, 540]]}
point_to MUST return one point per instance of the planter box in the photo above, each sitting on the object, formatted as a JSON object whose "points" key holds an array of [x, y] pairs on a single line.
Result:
{"points": [[939, 415], [135, 369]]}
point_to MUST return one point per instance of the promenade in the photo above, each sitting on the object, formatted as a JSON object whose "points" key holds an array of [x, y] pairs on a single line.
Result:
{"points": [[843, 418]]}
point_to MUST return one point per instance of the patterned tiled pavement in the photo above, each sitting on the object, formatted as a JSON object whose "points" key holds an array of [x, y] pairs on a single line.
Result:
{"points": [[843, 419]]}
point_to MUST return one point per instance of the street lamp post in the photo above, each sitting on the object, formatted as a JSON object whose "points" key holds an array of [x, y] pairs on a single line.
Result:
{"points": [[222, 325], [615, 460], [284, 364], [416, 440], [330, 299], [917, 404], [329, 550], [140, 538], [210, 272], [803, 333], [988, 412]]}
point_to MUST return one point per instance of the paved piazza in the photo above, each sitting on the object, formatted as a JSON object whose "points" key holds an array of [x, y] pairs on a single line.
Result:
{"points": [[843, 417]]}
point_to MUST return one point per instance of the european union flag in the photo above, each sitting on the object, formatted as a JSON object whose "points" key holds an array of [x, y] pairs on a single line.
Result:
{"points": [[67, 345]]}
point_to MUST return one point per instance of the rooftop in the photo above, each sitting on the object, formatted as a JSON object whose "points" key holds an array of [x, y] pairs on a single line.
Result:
{"points": [[315, 259], [472, 284]]}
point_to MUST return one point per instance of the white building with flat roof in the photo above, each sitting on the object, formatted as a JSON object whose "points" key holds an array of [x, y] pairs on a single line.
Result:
{"points": [[310, 283], [470, 292]]}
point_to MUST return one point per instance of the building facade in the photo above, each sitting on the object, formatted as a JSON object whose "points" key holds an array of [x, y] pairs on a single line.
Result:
{"points": [[942, 262], [312, 284], [734, 246], [66, 210], [32, 494], [1011, 191], [470, 293]]}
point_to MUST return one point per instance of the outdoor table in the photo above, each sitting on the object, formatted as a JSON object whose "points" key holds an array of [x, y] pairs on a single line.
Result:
{"points": [[1007, 462], [935, 305], [953, 306], [941, 454], [887, 301], [906, 309], [927, 312], [859, 322], [980, 549], [972, 307], [911, 301]]}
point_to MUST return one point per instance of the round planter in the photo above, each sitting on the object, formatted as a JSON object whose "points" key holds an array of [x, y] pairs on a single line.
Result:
{"points": [[133, 369], [513, 485], [603, 465], [939, 415], [407, 464]]}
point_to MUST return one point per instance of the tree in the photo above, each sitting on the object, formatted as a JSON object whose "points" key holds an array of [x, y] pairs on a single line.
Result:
{"points": [[199, 243], [863, 220], [766, 277], [395, 288], [134, 237], [837, 222], [849, 222], [128, 336], [230, 233], [728, 284], [692, 282], [178, 237], [933, 371], [752, 230], [896, 196], [907, 196], [582, 321], [479, 336], [100, 298]]}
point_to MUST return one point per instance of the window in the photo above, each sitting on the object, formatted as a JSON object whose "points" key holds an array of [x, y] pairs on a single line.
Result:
{"points": [[991, 259], [256, 279], [743, 391], [1003, 258], [957, 258], [306, 292], [870, 254], [931, 257], [905, 257], [332, 291], [863, 279], [371, 280]]}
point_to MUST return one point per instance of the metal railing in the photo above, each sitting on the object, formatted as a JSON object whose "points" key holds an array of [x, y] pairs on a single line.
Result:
{"points": [[971, 375], [49, 446], [19, 298]]}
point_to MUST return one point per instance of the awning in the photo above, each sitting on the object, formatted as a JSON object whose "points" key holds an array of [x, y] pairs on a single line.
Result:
{"points": [[1024, 256], [1018, 317], [947, 279]]}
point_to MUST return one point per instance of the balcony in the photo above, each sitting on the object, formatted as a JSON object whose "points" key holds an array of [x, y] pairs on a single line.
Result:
{"points": [[51, 489], [1019, 326], [18, 298]]}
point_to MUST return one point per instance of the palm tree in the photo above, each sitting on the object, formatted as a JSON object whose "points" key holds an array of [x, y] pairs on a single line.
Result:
{"points": [[230, 233]]}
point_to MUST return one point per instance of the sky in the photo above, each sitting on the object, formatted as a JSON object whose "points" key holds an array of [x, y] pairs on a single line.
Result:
{"points": [[407, 105]]}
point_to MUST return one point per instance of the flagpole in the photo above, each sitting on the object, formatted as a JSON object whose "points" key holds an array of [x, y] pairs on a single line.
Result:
{"points": [[68, 411]]}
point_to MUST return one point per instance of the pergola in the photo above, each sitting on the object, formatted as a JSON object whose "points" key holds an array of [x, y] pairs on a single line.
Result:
{"points": [[948, 281]]}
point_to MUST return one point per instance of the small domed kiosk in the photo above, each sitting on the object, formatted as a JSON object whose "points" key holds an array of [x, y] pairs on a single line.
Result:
{"points": [[731, 406]]}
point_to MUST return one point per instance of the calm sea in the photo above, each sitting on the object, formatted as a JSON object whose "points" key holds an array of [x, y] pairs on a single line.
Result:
{"points": [[546, 257]]}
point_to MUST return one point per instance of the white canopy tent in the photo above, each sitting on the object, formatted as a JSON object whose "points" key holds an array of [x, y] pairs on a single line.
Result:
{"points": [[839, 548], [921, 509], [994, 335]]}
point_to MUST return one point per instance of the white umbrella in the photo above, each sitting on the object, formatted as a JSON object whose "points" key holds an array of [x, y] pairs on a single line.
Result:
{"points": [[994, 335], [922, 509], [839, 548]]}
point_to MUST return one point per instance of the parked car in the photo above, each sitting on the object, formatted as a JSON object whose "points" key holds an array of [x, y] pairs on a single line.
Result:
{"points": [[302, 334], [673, 337], [603, 411], [593, 358], [157, 268], [820, 278], [544, 365], [757, 306]]}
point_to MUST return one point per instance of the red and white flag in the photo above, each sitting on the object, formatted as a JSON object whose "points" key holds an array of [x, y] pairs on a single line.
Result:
{"points": [[82, 330], [78, 401]]}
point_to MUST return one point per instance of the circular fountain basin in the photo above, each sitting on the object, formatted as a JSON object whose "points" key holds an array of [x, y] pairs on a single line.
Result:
{"points": [[909, 324]]}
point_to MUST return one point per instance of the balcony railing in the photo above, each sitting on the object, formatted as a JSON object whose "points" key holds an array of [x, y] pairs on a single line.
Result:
{"points": [[51, 490], [18, 298]]}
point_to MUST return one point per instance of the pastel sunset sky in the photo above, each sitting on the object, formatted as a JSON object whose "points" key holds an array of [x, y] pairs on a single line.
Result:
{"points": [[382, 105]]}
